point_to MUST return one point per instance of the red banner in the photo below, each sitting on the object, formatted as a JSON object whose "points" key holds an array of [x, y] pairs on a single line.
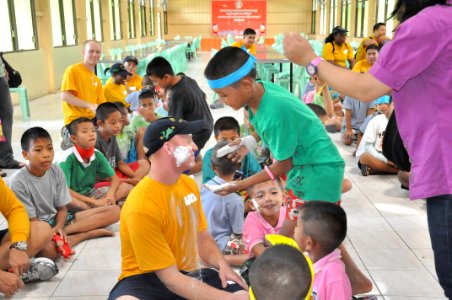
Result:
{"points": [[233, 16]]}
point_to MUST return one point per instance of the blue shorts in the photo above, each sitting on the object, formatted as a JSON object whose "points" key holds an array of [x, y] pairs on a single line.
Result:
{"points": [[148, 285]]}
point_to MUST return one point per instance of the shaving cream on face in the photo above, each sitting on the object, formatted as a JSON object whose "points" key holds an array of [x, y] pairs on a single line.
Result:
{"points": [[181, 154]]}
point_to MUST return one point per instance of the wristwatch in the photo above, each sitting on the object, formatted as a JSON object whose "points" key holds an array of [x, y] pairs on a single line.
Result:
{"points": [[311, 68], [22, 246]]}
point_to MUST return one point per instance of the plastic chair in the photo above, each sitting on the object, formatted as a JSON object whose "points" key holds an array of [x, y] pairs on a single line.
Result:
{"points": [[23, 100]]}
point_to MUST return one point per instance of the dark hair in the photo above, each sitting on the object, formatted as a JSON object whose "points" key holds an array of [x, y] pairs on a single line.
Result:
{"points": [[73, 126], [324, 222], [104, 110], [122, 108], [147, 93], [249, 31], [378, 25], [405, 9], [223, 165], [281, 272], [278, 181], [227, 61], [159, 67], [147, 81], [32, 134], [372, 47], [225, 123], [317, 109]]}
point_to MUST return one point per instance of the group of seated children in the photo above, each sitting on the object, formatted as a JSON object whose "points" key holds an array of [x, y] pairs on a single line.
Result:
{"points": [[64, 196]]}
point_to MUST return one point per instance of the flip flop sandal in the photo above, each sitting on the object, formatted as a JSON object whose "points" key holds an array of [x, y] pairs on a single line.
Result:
{"points": [[3, 173]]}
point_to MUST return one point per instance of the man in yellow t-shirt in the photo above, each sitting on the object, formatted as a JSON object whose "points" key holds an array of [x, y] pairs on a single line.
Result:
{"points": [[336, 50], [133, 81], [363, 66], [19, 242], [378, 39], [248, 41], [164, 237], [115, 89], [81, 88]]}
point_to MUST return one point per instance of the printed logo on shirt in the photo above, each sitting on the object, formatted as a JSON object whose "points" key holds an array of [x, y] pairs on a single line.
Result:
{"points": [[189, 199], [345, 51]]}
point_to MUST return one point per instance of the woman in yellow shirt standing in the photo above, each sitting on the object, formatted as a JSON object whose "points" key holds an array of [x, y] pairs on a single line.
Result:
{"points": [[336, 50], [115, 89]]}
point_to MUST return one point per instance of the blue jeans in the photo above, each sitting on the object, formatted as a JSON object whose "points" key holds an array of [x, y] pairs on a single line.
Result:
{"points": [[439, 214]]}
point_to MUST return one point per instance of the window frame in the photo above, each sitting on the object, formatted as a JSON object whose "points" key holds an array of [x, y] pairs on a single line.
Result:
{"points": [[143, 19], [333, 14], [113, 21], [92, 35], [63, 24], [360, 28], [314, 17], [13, 28], [151, 18], [346, 7], [131, 21]]}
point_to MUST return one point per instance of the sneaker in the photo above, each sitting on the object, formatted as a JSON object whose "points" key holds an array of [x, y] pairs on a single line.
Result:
{"points": [[65, 139], [40, 269], [365, 170], [216, 104]]}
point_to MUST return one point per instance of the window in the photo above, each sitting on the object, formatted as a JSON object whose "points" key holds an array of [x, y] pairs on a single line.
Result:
{"points": [[142, 15], [323, 18], [131, 24], [333, 14], [383, 12], [345, 14], [115, 17], [314, 16], [362, 18], [151, 18], [94, 20], [13, 37], [63, 22]]}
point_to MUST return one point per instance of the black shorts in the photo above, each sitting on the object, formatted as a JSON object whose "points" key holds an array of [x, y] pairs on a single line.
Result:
{"points": [[149, 287], [3, 233]]}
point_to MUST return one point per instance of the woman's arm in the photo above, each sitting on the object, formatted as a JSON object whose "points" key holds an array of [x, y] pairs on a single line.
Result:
{"points": [[361, 86]]}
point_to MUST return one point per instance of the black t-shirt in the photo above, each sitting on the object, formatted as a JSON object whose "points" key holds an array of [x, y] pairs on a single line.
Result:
{"points": [[188, 102]]}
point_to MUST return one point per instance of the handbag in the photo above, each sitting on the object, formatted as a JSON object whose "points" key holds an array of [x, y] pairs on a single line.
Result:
{"points": [[14, 78], [393, 147]]}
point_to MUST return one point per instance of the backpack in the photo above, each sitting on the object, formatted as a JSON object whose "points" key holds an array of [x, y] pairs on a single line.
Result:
{"points": [[393, 147], [15, 79]]}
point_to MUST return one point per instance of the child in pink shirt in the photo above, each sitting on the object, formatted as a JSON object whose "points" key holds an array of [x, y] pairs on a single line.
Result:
{"points": [[268, 217], [321, 228]]}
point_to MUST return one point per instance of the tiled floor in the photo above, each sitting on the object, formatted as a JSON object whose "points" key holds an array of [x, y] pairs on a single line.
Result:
{"points": [[388, 235]]}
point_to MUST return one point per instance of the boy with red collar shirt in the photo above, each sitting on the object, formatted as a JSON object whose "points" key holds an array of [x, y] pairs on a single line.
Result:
{"points": [[83, 165]]}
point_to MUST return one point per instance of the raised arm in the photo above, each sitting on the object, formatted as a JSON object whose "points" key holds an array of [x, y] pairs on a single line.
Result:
{"points": [[361, 86]]}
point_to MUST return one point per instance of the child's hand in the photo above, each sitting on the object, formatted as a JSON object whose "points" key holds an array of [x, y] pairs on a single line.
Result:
{"points": [[228, 188], [61, 232]]}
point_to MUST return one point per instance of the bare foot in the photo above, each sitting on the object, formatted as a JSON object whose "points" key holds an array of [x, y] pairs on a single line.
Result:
{"points": [[99, 233]]}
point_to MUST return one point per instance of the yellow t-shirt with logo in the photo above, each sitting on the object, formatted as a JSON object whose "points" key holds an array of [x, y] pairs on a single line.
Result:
{"points": [[115, 92], [84, 84], [135, 81], [251, 49], [159, 227], [362, 66], [340, 55]]}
